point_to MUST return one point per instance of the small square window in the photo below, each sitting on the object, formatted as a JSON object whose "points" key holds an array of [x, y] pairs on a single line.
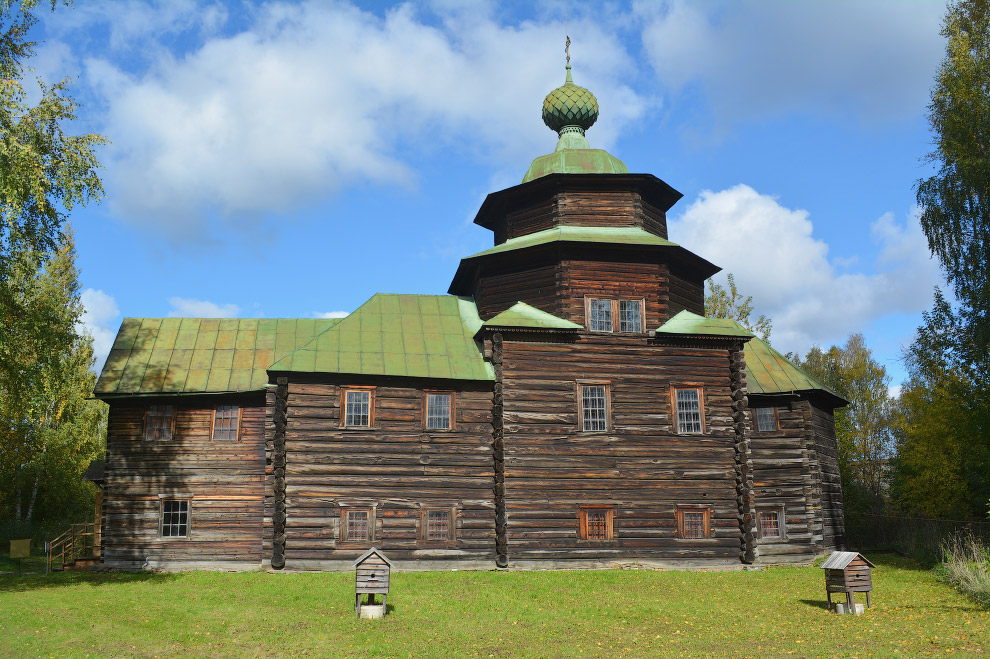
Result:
{"points": [[226, 422], [356, 525], [159, 422], [765, 419], [438, 411], [770, 522], [693, 522], [600, 315], [594, 407], [437, 525], [630, 316], [687, 405], [175, 518], [595, 523], [358, 407]]}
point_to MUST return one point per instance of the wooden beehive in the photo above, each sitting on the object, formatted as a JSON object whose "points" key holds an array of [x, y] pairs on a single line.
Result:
{"points": [[847, 572], [371, 577]]}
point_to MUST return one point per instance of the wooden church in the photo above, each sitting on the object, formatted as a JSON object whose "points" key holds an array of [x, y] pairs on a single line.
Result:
{"points": [[565, 404]]}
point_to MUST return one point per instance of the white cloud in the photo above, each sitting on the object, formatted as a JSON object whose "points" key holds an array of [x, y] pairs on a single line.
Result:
{"points": [[313, 96], [186, 308], [774, 256], [331, 314], [99, 317], [759, 59]]}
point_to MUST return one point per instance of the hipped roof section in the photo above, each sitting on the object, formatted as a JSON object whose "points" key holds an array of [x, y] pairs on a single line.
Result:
{"points": [[425, 336], [156, 356], [767, 371], [523, 316]]}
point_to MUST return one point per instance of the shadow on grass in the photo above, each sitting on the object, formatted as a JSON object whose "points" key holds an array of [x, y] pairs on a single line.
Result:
{"points": [[816, 604], [28, 582]]}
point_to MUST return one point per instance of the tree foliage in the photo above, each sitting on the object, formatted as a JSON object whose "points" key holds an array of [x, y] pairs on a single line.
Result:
{"points": [[863, 428], [722, 302], [49, 426], [955, 201], [44, 170], [942, 424]]}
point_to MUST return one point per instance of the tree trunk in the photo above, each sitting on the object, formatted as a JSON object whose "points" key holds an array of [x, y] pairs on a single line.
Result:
{"points": [[34, 496], [17, 503]]}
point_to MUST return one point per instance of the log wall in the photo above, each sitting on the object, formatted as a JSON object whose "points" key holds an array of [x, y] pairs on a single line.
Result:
{"points": [[640, 465], [396, 469], [830, 483], [222, 479]]}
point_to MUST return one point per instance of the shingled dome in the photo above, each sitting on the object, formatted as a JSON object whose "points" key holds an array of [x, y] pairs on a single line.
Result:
{"points": [[570, 105]]}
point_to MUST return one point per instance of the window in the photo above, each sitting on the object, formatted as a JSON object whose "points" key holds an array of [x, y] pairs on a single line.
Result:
{"points": [[614, 315], [687, 409], [359, 407], [595, 522], [630, 316], [600, 315], [357, 525], [226, 422], [175, 518], [766, 419], [770, 522], [693, 522], [437, 525], [159, 422], [593, 399], [439, 411]]}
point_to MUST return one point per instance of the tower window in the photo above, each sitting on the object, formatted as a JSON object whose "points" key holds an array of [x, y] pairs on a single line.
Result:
{"points": [[358, 407], [625, 316], [600, 315]]}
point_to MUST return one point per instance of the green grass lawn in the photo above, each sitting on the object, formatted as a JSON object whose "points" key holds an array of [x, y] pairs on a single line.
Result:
{"points": [[635, 613]]}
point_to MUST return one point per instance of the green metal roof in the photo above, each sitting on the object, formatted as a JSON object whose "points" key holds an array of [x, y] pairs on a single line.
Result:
{"points": [[521, 314], [428, 336], [686, 322], [769, 372], [613, 235], [575, 161], [201, 355]]}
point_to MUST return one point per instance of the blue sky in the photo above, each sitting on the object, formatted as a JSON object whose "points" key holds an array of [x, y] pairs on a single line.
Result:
{"points": [[292, 159]]}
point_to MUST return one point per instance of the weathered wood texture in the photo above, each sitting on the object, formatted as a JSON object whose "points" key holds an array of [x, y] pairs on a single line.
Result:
{"points": [[394, 470], [830, 484], [588, 208], [785, 478], [557, 280], [640, 465], [222, 480], [744, 456]]}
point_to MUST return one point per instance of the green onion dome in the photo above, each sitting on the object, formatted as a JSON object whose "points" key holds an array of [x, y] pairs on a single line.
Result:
{"points": [[570, 105]]}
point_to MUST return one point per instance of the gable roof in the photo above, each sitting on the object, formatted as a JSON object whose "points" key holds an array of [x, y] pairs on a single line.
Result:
{"points": [[686, 322], [838, 560], [523, 315], [153, 356], [428, 336]]}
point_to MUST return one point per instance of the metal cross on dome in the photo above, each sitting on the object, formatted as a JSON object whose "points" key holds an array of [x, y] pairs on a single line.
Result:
{"points": [[567, 49]]}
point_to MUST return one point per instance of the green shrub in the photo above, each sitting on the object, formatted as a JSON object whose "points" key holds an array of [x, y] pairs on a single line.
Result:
{"points": [[966, 565]]}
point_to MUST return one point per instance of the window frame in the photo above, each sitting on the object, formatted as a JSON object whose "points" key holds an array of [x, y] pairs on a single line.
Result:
{"points": [[177, 498], [705, 510], [579, 393], [451, 539], [370, 390], [756, 419], [582, 530], [781, 522], [426, 409], [676, 425], [616, 320], [237, 428], [147, 423], [347, 541]]}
